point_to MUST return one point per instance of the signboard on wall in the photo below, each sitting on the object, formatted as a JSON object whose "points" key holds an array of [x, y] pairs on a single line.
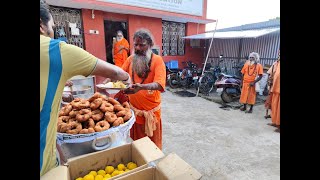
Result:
{"points": [[192, 7]]}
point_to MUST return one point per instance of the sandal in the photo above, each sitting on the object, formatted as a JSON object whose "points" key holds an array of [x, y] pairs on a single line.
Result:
{"points": [[270, 124], [267, 116]]}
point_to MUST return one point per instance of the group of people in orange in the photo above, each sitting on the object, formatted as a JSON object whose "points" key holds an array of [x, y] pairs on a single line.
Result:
{"points": [[252, 72]]}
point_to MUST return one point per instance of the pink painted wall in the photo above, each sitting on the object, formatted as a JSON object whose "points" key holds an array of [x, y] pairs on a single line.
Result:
{"points": [[95, 44]]}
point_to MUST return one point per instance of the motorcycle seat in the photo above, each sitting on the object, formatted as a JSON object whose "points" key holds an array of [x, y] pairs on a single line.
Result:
{"points": [[237, 77], [226, 75], [174, 70]]}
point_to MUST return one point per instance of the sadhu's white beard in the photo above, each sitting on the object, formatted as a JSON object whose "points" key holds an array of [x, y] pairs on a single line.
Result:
{"points": [[119, 39], [141, 63], [252, 62]]}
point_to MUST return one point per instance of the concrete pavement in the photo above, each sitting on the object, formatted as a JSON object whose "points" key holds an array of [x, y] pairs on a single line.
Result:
{"points": [[220, 144]]}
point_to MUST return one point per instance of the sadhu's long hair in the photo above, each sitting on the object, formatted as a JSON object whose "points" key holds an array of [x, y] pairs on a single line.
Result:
{"points": [[141, 59], [256, 56]]}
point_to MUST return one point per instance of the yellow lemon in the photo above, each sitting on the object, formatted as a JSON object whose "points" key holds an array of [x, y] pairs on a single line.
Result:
{"points": [[131, 165], [79, 178], [94, 173], [88, 177], [107, 176], [101, 172], [120, 172], [115, 172], [121, 167], [126, 170], [109, 169], [98, 177]]}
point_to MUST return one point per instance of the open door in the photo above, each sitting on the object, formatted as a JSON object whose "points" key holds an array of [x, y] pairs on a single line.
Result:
{"points": [[110, 29]]}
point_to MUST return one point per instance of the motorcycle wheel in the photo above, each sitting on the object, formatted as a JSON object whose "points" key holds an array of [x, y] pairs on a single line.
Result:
{"points": [[207, 84], [184, 82], [225, 97], [171, 82]]}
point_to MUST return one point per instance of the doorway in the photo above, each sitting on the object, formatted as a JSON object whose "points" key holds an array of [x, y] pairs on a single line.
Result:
{"points": [[110, 29]]}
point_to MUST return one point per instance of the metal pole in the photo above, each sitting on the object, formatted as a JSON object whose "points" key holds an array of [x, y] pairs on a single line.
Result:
{"points": [[205, 62]]}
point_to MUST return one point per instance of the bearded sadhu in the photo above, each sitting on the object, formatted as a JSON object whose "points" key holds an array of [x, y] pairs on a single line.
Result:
{"points": [[252, 73], [120, 49], [148, 74]]}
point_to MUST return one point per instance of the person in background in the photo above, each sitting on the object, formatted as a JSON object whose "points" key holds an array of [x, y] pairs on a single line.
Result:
{"points": [[120, 49], [274, 72], [263, 81], [59, 62], [252, 73], [148, 74]]}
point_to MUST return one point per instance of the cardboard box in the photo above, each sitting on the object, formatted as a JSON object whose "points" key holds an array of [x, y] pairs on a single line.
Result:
{"points": [[141, 152], [152, 164], [172, 167]]}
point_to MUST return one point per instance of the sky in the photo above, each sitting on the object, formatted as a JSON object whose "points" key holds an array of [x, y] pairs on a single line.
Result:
{"points": [[231, 13]]}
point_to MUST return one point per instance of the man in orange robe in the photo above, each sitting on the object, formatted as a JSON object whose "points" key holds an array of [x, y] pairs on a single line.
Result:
{"points": [[275, 92], [120, 49], [149, 77], [250, 71]]}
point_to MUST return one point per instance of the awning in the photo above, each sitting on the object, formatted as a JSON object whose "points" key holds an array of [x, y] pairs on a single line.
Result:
{"points": [[234, 34]]}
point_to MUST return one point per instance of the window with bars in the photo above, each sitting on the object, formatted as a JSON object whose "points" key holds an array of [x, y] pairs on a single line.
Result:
{"points": [[62, 18], [172, 42]]}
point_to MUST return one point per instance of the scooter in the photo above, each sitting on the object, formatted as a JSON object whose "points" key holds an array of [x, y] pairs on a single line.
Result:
{"points": [[228, 87]]}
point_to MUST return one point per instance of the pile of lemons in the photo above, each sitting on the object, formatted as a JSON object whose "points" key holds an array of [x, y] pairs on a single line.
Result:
{"points": [[108, 172]]}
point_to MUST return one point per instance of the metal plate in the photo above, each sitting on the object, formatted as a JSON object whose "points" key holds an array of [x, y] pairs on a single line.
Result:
{"points": [[102, 86]]}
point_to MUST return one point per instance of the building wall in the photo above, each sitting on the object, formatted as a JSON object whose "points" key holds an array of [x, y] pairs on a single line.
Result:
{"points": [[147, 10], [154, 25], [95, 44]]}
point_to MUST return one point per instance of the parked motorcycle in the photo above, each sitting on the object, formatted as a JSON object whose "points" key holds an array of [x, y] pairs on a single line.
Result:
{"points": [[206, 82], [188, 77], [229, 87], [172, 74]]}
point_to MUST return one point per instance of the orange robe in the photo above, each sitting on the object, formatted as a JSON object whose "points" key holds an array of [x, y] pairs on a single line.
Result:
{"points": [[147, 99], [248, 93], [275, 90], [119, 56]]}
